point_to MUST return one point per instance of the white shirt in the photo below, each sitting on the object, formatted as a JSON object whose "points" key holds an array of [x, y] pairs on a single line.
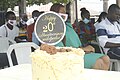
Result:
{"points": [[6, 32], [112, 32], [30, 21]]}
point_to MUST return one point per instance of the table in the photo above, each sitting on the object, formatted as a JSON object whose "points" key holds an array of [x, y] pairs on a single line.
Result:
{"points": [[24, 72]]}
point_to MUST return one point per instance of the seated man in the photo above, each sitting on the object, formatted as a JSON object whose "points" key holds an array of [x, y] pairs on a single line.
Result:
{"points": [[9, 29], [108, 32]]}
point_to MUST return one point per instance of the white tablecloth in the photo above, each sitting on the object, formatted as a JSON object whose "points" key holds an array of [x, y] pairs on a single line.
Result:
{"points": [[24, 72]]}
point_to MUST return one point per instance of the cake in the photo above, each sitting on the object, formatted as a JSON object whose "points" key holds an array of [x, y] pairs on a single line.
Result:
{"points": [[57, 63]]}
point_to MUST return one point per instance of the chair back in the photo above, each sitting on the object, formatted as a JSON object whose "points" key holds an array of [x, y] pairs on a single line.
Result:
{"points": [[114, 63], [5, 43], [22, 52], [101, 49]]}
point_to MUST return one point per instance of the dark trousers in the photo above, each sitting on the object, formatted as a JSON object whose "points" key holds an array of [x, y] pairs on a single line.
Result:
{"points": [[114, 53]]}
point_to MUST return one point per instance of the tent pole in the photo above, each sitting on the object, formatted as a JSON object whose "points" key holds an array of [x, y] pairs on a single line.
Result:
{"points": [[76, 13]]}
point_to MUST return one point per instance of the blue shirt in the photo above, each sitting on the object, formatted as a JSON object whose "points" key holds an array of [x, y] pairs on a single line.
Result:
{"points": [[34, 39]]}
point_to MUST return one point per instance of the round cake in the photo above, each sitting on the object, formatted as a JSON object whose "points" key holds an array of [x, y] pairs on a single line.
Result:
{"points": [[57, 63]]}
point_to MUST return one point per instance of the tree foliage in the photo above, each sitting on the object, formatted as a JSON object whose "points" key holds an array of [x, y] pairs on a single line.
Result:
{"points": [[47, 1], [5, 4]]}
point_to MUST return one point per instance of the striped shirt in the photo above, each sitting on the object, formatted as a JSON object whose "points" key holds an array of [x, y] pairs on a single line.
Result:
{"points": [[108, 32]]}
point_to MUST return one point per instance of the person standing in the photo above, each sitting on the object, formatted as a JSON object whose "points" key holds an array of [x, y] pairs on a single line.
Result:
{"points": [[9, 29], [30, 27]]}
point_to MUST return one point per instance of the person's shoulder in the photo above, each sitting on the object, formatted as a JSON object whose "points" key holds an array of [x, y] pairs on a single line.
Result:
{"points": [[1, 27], [100, 25], [30, 21], [81, 22], [16, 28]]}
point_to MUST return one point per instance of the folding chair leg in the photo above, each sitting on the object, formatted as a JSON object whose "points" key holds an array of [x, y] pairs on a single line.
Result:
{"points": [[111, 66], [114, 65]]}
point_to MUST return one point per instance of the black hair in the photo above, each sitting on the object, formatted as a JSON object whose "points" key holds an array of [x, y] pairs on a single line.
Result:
{"points": [[35, 13], [84, 11], [112, 8], [41, 12], [56, 7], [8, 14], [102, 15]]}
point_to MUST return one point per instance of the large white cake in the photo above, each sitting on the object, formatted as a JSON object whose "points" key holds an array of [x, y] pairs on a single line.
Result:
{"points": [[66, 64]]}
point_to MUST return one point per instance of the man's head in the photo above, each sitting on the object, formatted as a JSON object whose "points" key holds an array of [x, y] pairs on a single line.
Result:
{"points": [[35, 14], [114, 12], [24, 17], [11, 18]]}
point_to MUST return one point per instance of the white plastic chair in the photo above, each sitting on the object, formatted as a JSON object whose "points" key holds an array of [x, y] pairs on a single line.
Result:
{"points": [[22, 52], [114, 63], [5, 43]]}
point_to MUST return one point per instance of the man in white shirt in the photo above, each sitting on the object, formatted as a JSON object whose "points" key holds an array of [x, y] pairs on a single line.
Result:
{"points": [[108, 32], [9, 29]]}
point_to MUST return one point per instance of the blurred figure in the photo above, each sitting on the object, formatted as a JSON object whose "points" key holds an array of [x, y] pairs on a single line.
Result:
{"points": [[30, 28], [87, 29], [9, 29], [24, 18], [76, 27], [32, 20], [102, 16], [34, 38], [22, 26]]}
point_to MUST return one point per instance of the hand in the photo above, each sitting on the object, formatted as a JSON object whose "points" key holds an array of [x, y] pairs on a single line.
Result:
{"points": [[88, 49]]}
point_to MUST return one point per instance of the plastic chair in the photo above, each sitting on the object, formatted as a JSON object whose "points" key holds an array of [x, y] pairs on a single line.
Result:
{"points": [[5, 43], [114, 63], [22, 52]]}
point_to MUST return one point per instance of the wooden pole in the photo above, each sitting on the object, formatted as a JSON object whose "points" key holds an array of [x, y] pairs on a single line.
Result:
{"points": [[105, 5], [118, 2], [22, 7]]}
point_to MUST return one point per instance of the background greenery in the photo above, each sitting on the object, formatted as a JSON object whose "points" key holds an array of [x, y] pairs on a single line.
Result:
{"points": [[5, 4]]}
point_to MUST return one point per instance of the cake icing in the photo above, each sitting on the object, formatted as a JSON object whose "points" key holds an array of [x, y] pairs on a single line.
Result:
{"points": [[67, 64]]}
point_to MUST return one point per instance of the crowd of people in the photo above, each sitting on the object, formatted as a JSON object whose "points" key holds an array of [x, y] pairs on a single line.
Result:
{"points": [[106, 28]]}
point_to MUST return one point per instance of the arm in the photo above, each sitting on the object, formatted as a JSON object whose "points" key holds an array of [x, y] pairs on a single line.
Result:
{"points": [[109, 42], [108, 37], [64, 41], [110, 45], [88, 49]]}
